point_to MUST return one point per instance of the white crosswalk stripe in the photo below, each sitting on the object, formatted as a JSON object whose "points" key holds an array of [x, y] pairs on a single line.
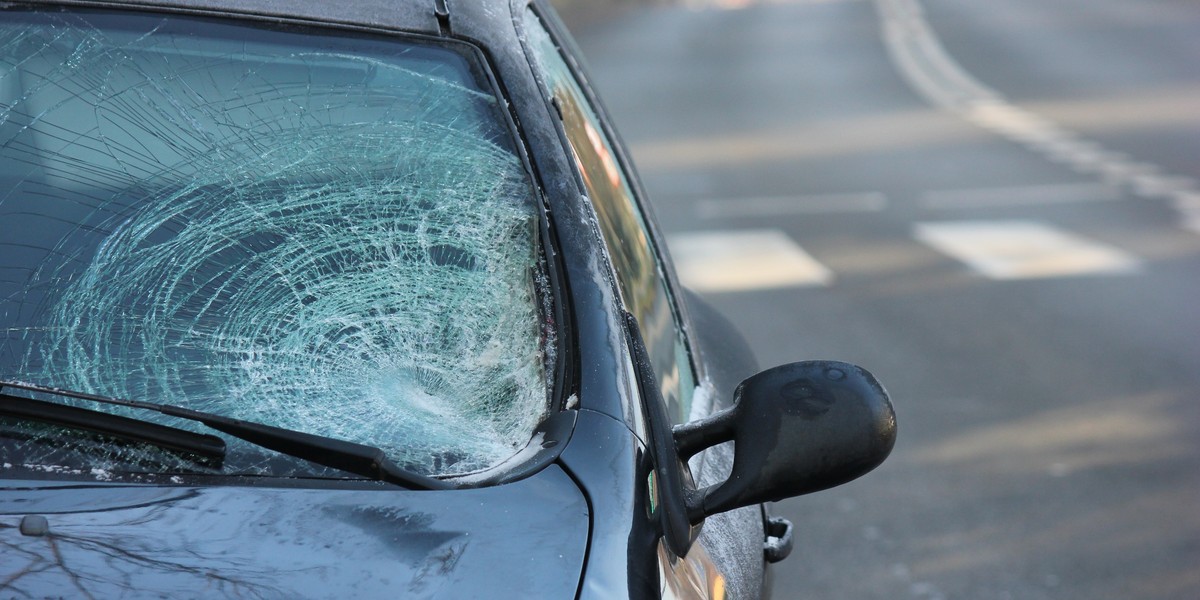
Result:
{"points": [[750, 259], [757, 259], [1023, 249]]}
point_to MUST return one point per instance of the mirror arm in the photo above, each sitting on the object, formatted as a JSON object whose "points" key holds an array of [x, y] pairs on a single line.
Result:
{"points": [[693, 437], [716, 498], [696, 501]]}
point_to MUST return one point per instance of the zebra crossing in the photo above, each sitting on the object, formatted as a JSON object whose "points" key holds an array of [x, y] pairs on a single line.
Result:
{"points": [[726, 261], [1023, 249], [1000, 250]]}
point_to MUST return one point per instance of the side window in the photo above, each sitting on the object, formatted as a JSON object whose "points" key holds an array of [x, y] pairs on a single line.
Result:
{"points": [[639, 273]]}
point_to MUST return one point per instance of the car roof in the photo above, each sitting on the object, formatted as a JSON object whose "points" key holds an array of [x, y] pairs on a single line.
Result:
{"points": [[416, 15]]}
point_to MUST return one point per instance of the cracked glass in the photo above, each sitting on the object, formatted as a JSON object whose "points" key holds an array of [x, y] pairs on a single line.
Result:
{"points": [[320, 231]]}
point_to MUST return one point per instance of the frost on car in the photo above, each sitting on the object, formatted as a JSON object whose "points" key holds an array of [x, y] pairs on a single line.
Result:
{"points": [[334, 237]]}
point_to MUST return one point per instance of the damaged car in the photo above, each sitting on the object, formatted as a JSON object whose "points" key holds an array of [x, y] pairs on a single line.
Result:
{"points": [[363, 299]]}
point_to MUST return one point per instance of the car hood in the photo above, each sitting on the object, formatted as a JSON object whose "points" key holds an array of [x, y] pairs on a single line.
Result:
{"points": [[527, 538]]}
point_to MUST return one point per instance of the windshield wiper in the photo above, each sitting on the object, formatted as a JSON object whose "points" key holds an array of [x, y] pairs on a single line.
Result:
{"points": [[351, 457], [210, 449]]}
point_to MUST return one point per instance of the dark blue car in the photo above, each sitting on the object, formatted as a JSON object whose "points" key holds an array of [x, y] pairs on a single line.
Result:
{"points": [[361, 299]]}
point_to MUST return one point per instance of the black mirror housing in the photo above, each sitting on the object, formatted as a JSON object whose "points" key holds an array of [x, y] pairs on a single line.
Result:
{"points": [[797, 428]]}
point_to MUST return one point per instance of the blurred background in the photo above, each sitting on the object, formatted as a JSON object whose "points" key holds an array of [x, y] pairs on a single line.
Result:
{"points": [[995, 207]]}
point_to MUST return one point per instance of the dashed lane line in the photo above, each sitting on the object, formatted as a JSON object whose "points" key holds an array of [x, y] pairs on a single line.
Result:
{"points": [[868, 202], [771, 206], [1026, 195]]}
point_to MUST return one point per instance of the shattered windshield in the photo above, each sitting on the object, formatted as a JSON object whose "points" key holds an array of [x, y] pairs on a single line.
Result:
{"points": [[327, 233]]}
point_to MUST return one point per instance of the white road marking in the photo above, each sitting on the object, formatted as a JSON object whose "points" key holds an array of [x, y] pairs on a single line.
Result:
{"points": [[920, 57], [726, 261], [771, 206], [1023, 249], [1190, 206], [1027, 195], [740, 4]]}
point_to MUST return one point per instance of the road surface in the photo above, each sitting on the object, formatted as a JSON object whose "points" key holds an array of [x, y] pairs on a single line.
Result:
{"points": [[994, 207]]}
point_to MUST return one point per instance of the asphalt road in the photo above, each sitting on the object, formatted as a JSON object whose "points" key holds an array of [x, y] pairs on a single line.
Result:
{"points": [[991, 205]]}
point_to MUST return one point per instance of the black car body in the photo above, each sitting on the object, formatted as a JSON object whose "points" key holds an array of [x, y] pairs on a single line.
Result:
{"points": [[231, 132]]}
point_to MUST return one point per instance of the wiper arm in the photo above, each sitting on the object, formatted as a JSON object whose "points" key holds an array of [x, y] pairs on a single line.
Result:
{"points": [[209, 448], [351, 457]]}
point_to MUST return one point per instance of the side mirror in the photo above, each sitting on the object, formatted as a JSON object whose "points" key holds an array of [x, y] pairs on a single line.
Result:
{"points": [[797, 428]]}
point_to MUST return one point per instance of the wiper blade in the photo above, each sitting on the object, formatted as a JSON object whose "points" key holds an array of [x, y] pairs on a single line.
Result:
{"points": [[209, 448], [351, 457]]}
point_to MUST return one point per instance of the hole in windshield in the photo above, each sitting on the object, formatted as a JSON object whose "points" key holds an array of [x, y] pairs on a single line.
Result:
{"points": [[326, 233]]}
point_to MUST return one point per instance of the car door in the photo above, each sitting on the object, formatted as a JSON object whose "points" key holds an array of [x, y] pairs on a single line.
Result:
{"points": [[726, 558]]}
